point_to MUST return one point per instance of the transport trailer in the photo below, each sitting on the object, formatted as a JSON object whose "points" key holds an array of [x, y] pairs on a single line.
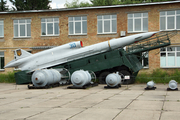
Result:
{"points": [[106, 63]]}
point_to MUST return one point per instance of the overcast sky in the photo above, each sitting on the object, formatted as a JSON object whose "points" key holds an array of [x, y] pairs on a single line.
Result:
{"points": [[54, 4]]}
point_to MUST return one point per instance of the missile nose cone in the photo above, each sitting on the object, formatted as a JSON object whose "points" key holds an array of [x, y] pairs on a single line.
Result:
{"points": [[9, 65], [6, 66]]}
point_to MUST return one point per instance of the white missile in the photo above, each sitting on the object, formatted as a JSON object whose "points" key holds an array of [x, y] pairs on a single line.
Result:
{"points": [[69, 52]]}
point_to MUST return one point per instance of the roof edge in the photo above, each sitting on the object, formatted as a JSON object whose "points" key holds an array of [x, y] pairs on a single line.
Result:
{"points": [[94, 7]]}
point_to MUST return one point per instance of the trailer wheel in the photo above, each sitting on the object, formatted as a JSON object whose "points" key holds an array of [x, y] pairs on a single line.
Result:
{"points": [[127, 81], [102, 77]]}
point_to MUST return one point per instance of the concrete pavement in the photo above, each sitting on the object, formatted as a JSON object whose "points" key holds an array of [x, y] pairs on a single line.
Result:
{"points": [[17, 102]]}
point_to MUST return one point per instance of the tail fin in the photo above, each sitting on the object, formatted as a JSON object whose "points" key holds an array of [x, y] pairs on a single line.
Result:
{"points": [[19, 53]]}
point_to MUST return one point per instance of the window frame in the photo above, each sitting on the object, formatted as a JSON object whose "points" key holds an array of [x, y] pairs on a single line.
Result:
{"points": [[111, 24], [133, 18], [166, 19], [46, 22], [2, 24], [2, 56], [19, 28], [73, 21], [175, 52]]}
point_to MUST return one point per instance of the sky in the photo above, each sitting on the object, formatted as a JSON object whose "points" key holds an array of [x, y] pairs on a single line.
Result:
{"points": [[55, 3]]}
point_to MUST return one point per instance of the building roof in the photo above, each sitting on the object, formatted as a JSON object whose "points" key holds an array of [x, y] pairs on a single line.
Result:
{"points": [[87, 8]]}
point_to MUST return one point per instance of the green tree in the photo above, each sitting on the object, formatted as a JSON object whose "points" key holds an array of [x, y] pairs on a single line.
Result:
{"points": [[30, 4], [76, 4], [3, 6], [105, 2]]}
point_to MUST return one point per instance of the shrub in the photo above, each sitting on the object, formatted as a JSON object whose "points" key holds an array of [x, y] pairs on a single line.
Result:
{"points": [[158, 76], [7, 78]]}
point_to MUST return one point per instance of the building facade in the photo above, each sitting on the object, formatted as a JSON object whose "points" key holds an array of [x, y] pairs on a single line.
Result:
{"points": [[38, 30]]}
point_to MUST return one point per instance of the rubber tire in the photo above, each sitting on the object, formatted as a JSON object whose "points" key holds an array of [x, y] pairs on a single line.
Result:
{"points": [[125, 73], [102, 77]]}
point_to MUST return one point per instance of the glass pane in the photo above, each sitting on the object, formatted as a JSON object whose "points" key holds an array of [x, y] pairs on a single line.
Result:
{"points": [[106, 26], [163, 59], [43, 29], [15, 21], [170, 12], [145, 62], [1, 22], [22, 30], [178, 22], [162, 49], [1, 62], [178, 59], [71, 28], [178, 12], [106, 16], [84, 27], [21, 21], [145, 59], [114, 16], [1, 30], [114, 26], [99, 26], [28, 29], [42, 20], [137, 15], [162, 13], [145, 14], [50, 28], [84, 18], [1, 54], [50, 20], [178, 54], [56, 28], [77, 18], [70, 18], [145, 24], [99, 17], [170, 48], [130, 24], [130, 15], [77, 27], [15, 30], [137, 24], [56, 19], [28, 20], [178, 48], [170, 23], [171, 59], [162, 23], [163, 54]]}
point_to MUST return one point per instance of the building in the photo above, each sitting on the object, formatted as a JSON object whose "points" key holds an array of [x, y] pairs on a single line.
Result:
{"points": [[37, 30]]}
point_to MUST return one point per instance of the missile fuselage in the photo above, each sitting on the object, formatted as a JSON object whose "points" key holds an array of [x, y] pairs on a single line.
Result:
{"points": [[69, 52]]}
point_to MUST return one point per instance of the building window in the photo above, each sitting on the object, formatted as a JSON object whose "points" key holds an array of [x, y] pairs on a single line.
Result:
{"points": [[107, 24], [145, 59], [22, 28], [170, 57], [138, 22], [170, 20], [1, 60], [49, 26], [1, 28], [78, 25]]}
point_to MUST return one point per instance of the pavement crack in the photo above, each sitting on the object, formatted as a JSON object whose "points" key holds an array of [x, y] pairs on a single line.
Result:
{"points": [[162, 109], [76, 114], [128, 105]]}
